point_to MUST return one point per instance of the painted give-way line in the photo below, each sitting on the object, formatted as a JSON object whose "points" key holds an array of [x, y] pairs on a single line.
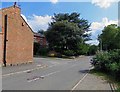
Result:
{"points": [[25, 71], [37, 78], [46, 75]]}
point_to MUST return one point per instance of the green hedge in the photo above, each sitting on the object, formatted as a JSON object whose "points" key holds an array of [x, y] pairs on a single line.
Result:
{"points": [[108, 62]]}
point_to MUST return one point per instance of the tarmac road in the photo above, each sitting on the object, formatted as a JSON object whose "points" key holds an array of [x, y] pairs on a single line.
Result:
{"points": [[46, 74]]}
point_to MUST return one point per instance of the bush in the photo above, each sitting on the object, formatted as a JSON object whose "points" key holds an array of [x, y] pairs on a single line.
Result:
{"points": [[108, 62], [43, 51], [40, 50], [36, 48], [69, 52], [92, 50], [101, 61]]}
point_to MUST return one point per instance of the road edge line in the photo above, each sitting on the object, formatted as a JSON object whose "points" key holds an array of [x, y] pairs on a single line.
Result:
{"points": [[79, 82]]}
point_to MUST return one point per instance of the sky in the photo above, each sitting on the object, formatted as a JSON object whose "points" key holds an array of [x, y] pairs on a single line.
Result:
{"points": [[99, 13]]}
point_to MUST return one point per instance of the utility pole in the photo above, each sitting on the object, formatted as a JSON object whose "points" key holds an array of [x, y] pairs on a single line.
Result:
{"points": [[100, 44]]}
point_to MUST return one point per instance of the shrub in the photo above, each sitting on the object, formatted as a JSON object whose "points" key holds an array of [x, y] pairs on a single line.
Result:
{"points": [[101, 61], [36, 48], [108, 62], [69, 52], [40, 50], [43, 51]]}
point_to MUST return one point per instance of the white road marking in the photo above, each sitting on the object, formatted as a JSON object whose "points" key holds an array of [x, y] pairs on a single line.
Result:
{"points": [[38, 67], [79, 82], [5, 75], [43, 76], [74, 87], [50, 73]]}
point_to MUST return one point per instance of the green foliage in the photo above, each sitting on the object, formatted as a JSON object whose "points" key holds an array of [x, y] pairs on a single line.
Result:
{"points": [[92, 50], [66, 32], [36, 48], [110, 38], [100, 61], [43, 51], [108, 62], [69, 53], [74, 18], [40, 50], [61, 35], [82, 49]]}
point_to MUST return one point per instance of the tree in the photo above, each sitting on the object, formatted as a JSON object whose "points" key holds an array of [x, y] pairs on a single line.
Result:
{"points": [[92, 50], [109, 39], [41, 31], [66, 32], [62, 34], [73, 18], [117, 38]]}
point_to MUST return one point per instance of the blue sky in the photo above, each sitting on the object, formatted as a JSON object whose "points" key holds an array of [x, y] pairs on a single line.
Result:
{"points": [[38, 14]]}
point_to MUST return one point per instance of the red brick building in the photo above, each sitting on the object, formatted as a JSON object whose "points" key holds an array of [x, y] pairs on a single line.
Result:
{"points": [[1, 48], [17, 37], [39, 38]]}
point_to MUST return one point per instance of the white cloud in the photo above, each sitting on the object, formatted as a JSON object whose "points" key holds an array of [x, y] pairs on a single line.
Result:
{"points": [[97, 27], [103, 3], [100, 25], [93, 42], [54, 1], [38, 22]]}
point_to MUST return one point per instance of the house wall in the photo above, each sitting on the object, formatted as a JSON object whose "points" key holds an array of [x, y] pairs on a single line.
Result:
{"points": [[19, 45], [39, 39], [1, 49]]}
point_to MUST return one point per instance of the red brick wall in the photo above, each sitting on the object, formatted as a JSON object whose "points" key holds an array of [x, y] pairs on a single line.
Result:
{"points": [[20, 37], [39, 39], [44, 41], [1, 48]]}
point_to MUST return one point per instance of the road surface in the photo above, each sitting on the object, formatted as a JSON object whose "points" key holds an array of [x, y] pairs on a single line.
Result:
{"points": [[46, 74]]}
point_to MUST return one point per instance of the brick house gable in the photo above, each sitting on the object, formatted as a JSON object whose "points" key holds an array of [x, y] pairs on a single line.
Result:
{"points": [[19, 37]]}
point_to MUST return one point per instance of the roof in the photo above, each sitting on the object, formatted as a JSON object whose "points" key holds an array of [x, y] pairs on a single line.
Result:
{"points": [[38, 35], [26, 23]]}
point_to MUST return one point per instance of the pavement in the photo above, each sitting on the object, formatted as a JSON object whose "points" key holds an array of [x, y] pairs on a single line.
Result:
{"points": [[92, 82], [53, 74]]}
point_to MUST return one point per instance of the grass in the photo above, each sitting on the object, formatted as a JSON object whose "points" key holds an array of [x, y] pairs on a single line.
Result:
{"points": [[107, 77]]}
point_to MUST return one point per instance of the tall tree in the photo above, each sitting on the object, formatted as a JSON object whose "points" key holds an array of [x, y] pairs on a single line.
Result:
{"points": [[66, 32], [109, 38], [73, 18]]}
